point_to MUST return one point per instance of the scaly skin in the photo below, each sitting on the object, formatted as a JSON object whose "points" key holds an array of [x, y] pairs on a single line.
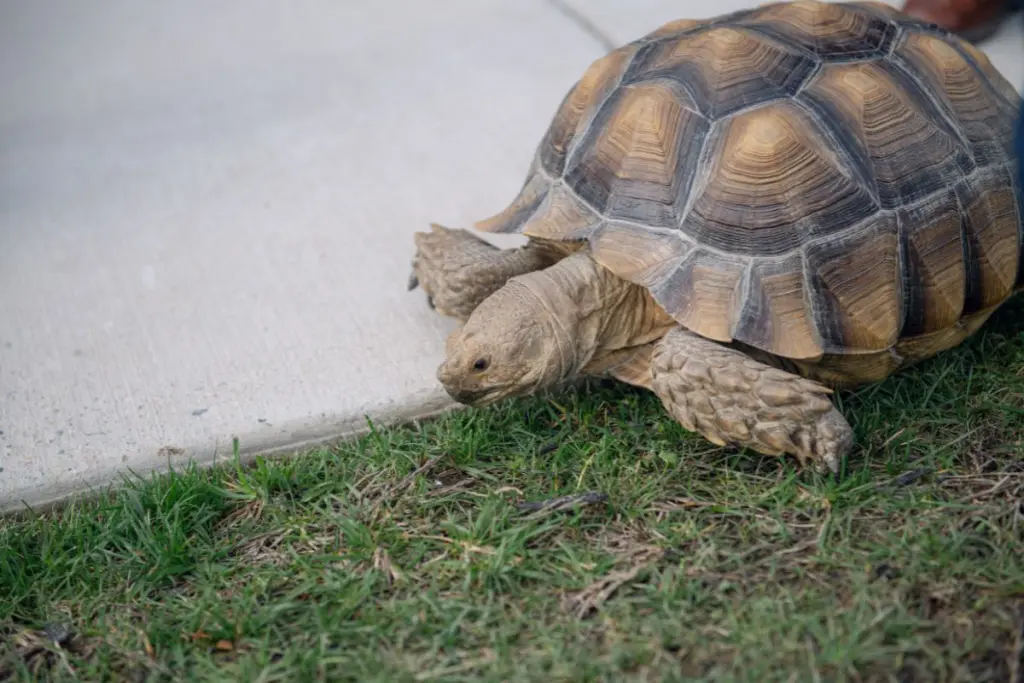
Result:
{"points": [[728, 397], [576, 318], [458, 270]]}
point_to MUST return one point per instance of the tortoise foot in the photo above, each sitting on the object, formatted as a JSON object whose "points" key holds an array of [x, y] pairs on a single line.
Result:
{"points": [[730, 398], [451, 268], [457, 270]]}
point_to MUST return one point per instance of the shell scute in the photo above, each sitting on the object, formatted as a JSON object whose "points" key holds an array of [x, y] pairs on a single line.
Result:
{"points": [[704, 293], [972, 103], [773, 182], [890, 128], [725, 68], [776, 316], [579, 104], [991, 227], [628, 167], [936, 274], [856, 287], [830, 31]]}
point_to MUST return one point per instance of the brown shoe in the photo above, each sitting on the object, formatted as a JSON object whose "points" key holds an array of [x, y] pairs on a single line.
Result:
{"points": [[973, 20]]}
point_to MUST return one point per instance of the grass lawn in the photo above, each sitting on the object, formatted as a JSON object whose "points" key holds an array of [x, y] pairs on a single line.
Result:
{"points": [[413, 554]]}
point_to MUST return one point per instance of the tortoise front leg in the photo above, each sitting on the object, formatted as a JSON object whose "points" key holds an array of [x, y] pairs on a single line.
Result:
{"points": [[730, 398], [458, 270]]}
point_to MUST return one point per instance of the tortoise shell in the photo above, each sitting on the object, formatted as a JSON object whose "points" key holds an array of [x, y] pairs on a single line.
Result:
{"points": [[809, 179]]}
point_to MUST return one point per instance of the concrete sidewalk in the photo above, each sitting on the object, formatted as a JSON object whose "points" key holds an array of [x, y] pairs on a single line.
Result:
{"points": [[206, 210]]}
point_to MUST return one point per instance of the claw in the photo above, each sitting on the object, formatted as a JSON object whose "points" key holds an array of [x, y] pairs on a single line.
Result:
{"points": [[414, 282], [833, 463]]}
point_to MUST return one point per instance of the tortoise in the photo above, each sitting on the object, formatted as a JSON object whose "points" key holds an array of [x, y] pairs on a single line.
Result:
{"points": [[745, 214]]}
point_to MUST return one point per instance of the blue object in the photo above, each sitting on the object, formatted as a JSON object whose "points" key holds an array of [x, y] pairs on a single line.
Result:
{"points": [[1019, 143], [1019, 148]]}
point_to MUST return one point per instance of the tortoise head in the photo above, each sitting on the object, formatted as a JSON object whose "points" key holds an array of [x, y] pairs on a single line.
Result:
{"points": [[507, 348]]}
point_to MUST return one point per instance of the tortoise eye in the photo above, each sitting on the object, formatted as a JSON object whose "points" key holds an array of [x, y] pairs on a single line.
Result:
{"points": [[480, 364]]}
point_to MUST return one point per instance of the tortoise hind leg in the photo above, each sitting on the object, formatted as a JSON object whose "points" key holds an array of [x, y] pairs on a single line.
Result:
{"points": [[458, 270], [730, 398]]}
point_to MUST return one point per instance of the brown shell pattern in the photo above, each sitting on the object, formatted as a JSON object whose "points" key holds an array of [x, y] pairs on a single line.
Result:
{"points": [[808, 178]]}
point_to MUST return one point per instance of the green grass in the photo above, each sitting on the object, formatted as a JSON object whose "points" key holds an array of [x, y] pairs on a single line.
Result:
{"points": [[404, 556]]}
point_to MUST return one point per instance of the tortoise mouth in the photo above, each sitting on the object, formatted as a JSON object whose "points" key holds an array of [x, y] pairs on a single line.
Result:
{"points": [[477, 398]]}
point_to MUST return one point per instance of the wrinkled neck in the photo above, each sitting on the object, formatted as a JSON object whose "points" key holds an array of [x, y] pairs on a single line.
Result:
{"points": [[590, 312]]}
